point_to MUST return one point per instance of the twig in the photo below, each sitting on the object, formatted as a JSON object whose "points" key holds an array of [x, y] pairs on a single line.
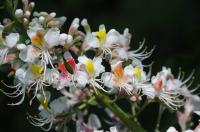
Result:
{"points": [[131, 124]]}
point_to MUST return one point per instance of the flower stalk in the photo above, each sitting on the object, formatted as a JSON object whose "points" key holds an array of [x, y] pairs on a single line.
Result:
{"points": [[107, 102]]}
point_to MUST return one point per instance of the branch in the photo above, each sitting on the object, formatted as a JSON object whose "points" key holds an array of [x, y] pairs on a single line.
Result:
{"points": [[105, 100]]}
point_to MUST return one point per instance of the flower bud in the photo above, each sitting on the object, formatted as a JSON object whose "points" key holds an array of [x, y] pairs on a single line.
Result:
{"points": [[25, 21], [27, 14], [41, 19], [21, 46], [53, 14], [19, 12], [32, 4]]}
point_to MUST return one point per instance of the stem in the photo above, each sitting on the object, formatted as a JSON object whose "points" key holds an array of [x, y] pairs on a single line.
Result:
{"points": [[161, 110], [105, 100]]}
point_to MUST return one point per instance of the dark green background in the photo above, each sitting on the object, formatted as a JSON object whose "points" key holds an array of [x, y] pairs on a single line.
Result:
{"points": [[172, 25]]}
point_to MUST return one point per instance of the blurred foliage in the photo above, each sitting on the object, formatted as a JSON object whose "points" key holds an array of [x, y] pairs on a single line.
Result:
{"points": [[172, 25]]}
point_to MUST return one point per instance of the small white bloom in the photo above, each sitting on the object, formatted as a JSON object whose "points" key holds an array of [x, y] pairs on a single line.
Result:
{"points": [[27, 14], [21, 46], [19, 13], [41, 19], [12, 39], [167, 88], [89, 70]]}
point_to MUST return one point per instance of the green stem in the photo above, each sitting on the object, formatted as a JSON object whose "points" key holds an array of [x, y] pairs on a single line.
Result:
{"points": [[82, 106], [161, 110], [132, 124]]}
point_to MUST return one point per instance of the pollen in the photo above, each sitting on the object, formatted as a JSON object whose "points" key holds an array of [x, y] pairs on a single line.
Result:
{"points": [[137, 72], [38, 39], [36, 69], [90, 67]]}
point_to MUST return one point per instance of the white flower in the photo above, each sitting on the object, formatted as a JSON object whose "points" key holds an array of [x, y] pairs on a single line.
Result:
{"points": [[132, 80], [89, 70], [140, 80], [19, 88], [104, 41], [11, 40], [167, 88], [139, 54]]}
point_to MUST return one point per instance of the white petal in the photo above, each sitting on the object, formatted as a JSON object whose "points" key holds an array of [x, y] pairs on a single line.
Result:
{"points": [[112, 37], [52, 76], [20, 74], [113, 129], [12, 39], [29, 54], [128, 70], [82, 59], [94, 122], [82, 78], [31, 33], [59, 105], [63, 37], [197, 112], [122, 53], [107, 79], [99, 68], [91, 40], [52, 37]]}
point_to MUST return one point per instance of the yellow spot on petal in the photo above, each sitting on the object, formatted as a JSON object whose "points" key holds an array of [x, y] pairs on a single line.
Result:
{"points": [[137, 72], [101, 35], [37, 70], [38, 39], [90, 67]]}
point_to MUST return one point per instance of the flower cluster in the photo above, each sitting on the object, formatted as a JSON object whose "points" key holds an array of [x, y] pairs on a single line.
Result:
{"points": [[80, 65]]}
